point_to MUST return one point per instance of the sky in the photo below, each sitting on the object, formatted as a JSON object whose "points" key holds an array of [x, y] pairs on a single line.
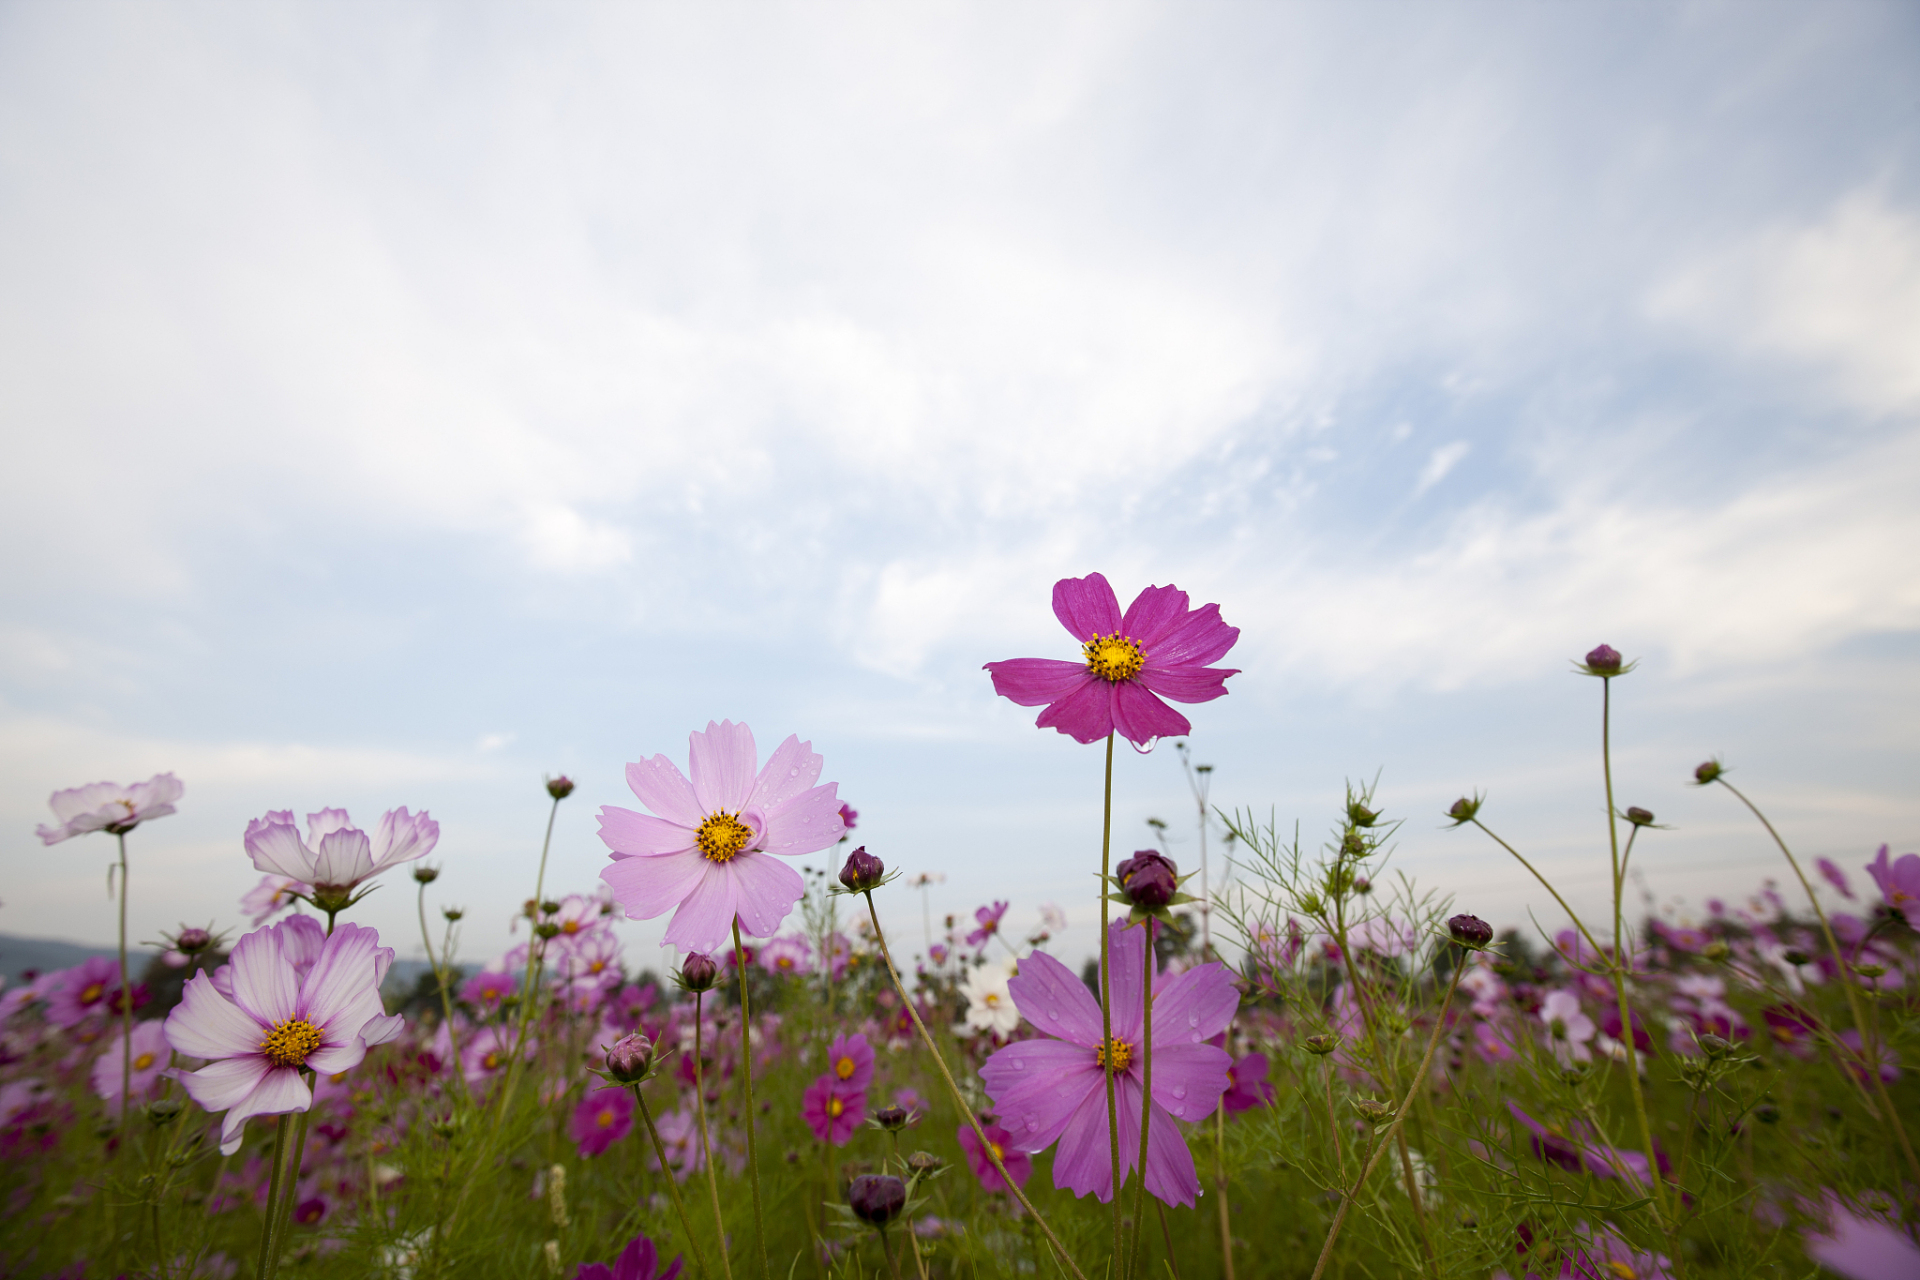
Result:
{"points": [[403, 403]]}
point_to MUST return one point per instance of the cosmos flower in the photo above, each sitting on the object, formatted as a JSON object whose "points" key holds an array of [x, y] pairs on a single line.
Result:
{"points": [[1582, 1151], [850, 1062], [603, 1118], [1247, 1085], [271, 896], [589, 963], [1568, 1029], [279, 1022], [1899, 883], [990, 1003], [488, 989], [680, 1135], [151, 1054], [1053, 1088], [337, 856], [790, 956], [713, 852], [1861, 1244], [90, 987], [1834, 876], [110, 807], [1019, 1165], [1159, 649], [487, 1053], [638, 1261], [989, 918], [833, 1110]]}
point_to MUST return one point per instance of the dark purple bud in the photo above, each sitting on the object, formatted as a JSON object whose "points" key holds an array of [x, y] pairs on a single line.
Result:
{"points": [[699, 973], [630, 1058], [425, 873], [1362, 885], [1640, 817], [1148, 879], [877, 1198], [1795, 956], [863, 871], [1707, 772], [1470, 931], [1464, 810], [1604, 661], [560, 788], [891, 1118], [192, 941]]}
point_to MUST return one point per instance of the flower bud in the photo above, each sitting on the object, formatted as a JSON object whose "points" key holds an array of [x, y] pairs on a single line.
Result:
{"points": [[1716, 950], [1321, 1045], [1373, 1112], [1361, 816], [1639, 817], [1870, 971], [549, 907], [891, 1118], [164, 1110], [425, 873], [863, 871], [1714, 1046], [453, 913], [1470, 931], [560, 788], [699, 973], [1707, 772], [1604, 661], [1767, 1113], [1148, 879], [192, 941], [546, 929], [1795, 956], [877, 1198], [1362, 885], [630, 1058], [1464, 810], [1352, 845], [925, 1162]]}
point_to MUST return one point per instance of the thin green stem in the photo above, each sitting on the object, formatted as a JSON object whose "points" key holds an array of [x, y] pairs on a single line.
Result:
{"points": [[273, 1194], [746, 1076], [1220, 1191], [126, 992], [706, 1146], [1146, 1095], [440, 975], [966, 1109], [1106, 1009], [291, 1189], [673, 1184], [1399, 1117]]}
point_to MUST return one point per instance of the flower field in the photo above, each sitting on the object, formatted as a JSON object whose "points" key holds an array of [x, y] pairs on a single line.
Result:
{"points": [[1291, 1063]]}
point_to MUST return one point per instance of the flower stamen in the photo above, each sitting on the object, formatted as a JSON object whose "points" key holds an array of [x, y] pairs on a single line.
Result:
{"points": [[722, 837], [290, 1042], [1113, 658], [1122, 1054]]}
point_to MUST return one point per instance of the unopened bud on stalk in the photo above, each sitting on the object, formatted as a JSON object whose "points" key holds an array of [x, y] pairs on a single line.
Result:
{"points": [[892, 1119], [1716, 950], [1464, 810], [925, 1162], [1795, 956], [1639, 817], [453, 913], [1352, 845], [1603, 661], [164, 1110], [877, 1198], [1373, 1112], [1714, 1046], [699, 973], [546, 929], [1870, 971], [1361, 816], [560, 788], [1321, 1045], [1362, 885], [630, 1058], [1707, 772], [192, 941], [1470, 931], [1148, 878], [862, 871], [549, 907], [425, 873]]}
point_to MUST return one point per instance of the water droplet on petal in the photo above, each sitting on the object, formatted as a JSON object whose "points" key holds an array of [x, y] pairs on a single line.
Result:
{"points": [[1194, 1038], [1053, 1016], [1193, 1019], [1019, 1064], [1179, 1091]]}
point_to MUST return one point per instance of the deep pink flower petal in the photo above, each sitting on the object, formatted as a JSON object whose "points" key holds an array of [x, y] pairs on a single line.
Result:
{"points": [[665, 790], [636, 1261], [1126, 948], [1199, 638], [850, 1061], [1188, 1079], [805, 823], [1086, 606], [205, 1024], [1206, 1000], [765, 890], [1187, 684], [790, 771], [264, 984], [1170, 1174], [1140, 717], [704, 921], [1037, 1086], [1051, 997], [641, 835], [1083, 1162], [1153, 613], [1034, 682], [1086, 715], [722, 761], [649, 887]]}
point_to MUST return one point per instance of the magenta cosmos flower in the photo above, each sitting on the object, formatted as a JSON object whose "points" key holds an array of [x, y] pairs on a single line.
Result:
{"points": [[1899, 881], [713, 851], [1053, 1089], [638, 1261], [110, 807], [336, 855], [1159, 649], [1018, 1164], [281, 1021], [603, 1118], [850, 1062], [832, 1109]]}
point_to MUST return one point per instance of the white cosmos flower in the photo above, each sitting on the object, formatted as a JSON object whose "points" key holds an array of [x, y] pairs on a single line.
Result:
{"points": [[990, 1004]]}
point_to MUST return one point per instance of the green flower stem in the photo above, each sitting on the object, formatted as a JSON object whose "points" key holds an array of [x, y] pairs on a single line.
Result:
{"points": [[706, 1146], [291, 1188], [126, 991], [673, 1184], [1106, 1010], [1220, 1191], [746, 1076], [993, 1155], [273, 1194], [446, 1000], [1869, 1064], [1393, 1130], [1146, 1098]]}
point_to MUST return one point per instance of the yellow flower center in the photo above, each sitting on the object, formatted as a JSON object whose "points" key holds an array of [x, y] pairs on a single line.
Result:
{"points": [[1122, 1054], [1622, 1270], [604, 1119], [571, 926], [998, 1154], [142, 1062], [835, 1107], [992, 1000], [843, 1067], [92, 992], [722, 836], [1113, 657], [1900, 896], [785, 962], [491, 1061], [290, 1041]]}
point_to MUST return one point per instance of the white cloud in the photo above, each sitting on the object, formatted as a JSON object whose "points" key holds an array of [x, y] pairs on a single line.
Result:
{"points": [[1439, 463]]}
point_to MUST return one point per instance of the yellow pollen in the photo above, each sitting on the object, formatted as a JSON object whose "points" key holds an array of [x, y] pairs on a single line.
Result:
{"points": [[1622, 1270], [1113, 657], [844, 1068], [89, 994], [604, 1119], [835, 1106], [142, 1062], [1122, 1054], [491, 1061], [992, 1000], [290, 1041], [571, 926], [998, 1154], [721, 837]]}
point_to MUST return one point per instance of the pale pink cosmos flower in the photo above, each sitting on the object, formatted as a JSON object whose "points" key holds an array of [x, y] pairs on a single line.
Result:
{"points": [[1053, 1088], [336, 856], [1568, 1029], [712, 855], [788, 955], [1899, 882], [281, 1021], [271, 896], [1158, 649], [151, 1054], [110, 807]]}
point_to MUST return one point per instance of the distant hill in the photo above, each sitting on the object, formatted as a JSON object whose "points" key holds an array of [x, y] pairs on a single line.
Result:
{"points": [[19, 955]]}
